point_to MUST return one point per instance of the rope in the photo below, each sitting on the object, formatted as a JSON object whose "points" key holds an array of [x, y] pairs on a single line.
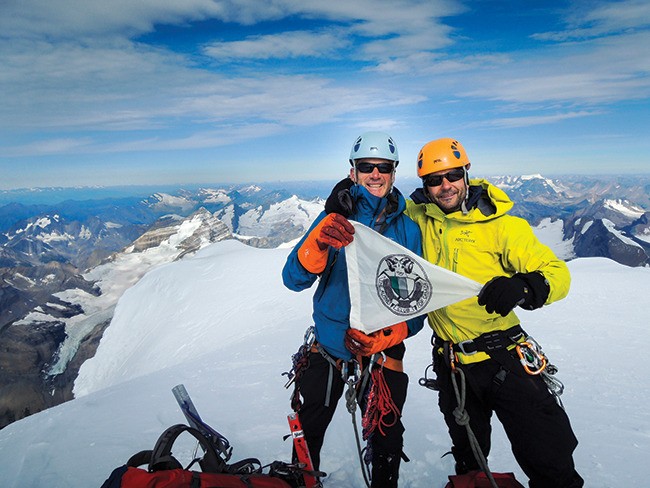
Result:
{"points": [[380, 403], [351, 404], [462, 418]]}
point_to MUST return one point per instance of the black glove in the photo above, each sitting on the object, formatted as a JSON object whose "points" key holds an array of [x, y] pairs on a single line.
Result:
{"points": [[340, 200], [502, 294]]}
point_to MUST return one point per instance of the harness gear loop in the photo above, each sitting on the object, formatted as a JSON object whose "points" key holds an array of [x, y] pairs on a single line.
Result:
{"points": [[426, 381], [296, 359], [555, 386]]}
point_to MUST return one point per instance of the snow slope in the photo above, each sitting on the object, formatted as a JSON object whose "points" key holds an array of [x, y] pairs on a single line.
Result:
{"points": [[222, 323]]}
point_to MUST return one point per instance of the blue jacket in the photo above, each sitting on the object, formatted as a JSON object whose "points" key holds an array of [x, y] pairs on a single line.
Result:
{"points": [[332, 299]]}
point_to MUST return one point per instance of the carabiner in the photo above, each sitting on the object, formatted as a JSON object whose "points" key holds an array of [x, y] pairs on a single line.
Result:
{"points": [[530, 357], [309, 337], [350, 377]]}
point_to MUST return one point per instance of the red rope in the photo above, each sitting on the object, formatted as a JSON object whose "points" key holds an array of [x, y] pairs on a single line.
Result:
{"points": [[379, 405], [300, 365]]}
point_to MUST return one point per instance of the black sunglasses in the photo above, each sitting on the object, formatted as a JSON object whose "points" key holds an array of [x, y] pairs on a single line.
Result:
{"points": [[367, 168], [436, 180]]}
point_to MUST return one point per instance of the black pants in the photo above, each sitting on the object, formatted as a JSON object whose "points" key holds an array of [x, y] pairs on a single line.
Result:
{"points": [[316, 417], [537, 427]]}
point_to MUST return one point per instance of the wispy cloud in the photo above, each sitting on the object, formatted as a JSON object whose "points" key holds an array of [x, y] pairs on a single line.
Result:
{"points": [[51, 146], [592, 72], [601, 19], [281, 46], [533, 120], [88, 19]]}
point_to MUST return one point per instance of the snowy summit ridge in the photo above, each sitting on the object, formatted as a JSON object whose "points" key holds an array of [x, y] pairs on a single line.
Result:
{"points": [[221, 322]]}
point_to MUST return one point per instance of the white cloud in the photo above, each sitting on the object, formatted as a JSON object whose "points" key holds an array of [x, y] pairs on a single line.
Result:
{"points": [[383, 29], [283, 45], [593, 72], [72, 19], [73, 66], [531, 120], [601, 19], [425, 64]]}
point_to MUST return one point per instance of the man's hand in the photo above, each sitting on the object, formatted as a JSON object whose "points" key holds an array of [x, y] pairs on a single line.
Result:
{"points": [[340, 201], [368, 344], [334, 230], [502, 294]]}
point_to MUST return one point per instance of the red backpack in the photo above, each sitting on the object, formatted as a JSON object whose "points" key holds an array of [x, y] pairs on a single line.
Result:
{"points": [[478, 479], [164, 471], [130, 477]]}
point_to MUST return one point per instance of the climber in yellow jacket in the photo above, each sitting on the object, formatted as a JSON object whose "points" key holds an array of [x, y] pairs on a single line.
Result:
{"points": [[466, 228]]}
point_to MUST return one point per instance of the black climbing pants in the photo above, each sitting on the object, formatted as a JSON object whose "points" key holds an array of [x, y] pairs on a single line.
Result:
{"points": [[537, 427], [315, 416]]}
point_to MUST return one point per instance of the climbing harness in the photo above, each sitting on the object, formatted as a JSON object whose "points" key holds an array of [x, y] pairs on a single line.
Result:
{"points": [[491, 343], [496, 344]]}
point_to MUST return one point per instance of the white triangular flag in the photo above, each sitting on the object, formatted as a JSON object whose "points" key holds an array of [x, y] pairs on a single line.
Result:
{"points": [[389, 283]]}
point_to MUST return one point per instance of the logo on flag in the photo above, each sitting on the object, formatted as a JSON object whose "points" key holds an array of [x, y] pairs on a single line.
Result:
{"points": [[402, 285]]}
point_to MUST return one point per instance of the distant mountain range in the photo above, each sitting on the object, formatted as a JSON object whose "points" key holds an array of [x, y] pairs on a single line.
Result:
{"points": [[63, 266], [604, 217]]}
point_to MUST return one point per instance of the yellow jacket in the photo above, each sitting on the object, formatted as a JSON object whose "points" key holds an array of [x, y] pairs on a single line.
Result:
{"points": [[481, 247]]}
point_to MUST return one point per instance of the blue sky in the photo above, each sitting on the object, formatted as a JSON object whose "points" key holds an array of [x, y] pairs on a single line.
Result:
{"points": [[191, 91]]}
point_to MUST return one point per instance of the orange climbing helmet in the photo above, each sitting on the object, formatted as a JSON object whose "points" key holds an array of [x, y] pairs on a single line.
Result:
{"points": [[441, 154]]}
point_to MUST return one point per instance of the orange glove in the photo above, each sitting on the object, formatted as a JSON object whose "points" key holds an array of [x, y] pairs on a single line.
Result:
{"points": [[334, 230], [368, 344]]}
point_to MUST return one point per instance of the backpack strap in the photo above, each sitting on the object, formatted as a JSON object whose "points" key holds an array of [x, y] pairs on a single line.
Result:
{"points": [[139, 459], [245, 466], [161, 456]]}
